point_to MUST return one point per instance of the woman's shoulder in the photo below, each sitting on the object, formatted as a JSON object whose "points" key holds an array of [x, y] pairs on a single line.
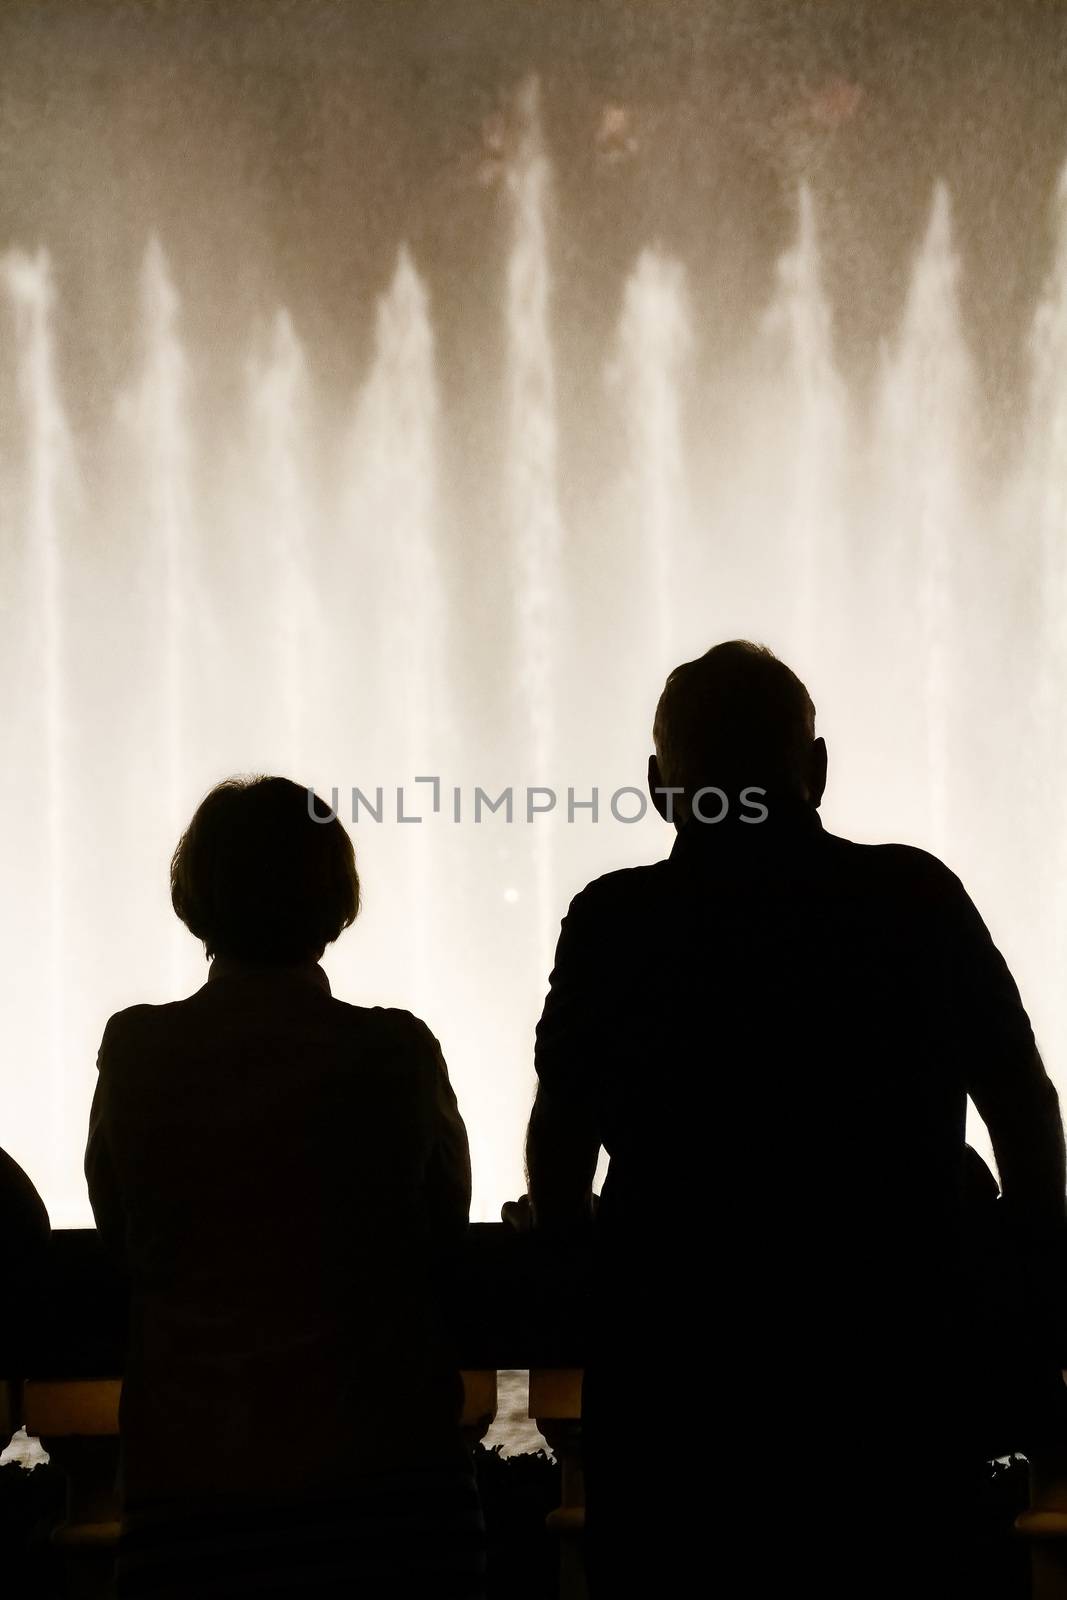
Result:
{"points": [[134, 1023], [390, 1044], [390, 1024]]}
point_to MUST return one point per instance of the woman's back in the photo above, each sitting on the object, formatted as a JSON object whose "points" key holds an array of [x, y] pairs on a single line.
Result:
{"points": [[280, 1171]]}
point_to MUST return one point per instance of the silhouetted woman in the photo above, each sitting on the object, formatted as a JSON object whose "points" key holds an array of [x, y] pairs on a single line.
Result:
{"points": [[280, 1171]]}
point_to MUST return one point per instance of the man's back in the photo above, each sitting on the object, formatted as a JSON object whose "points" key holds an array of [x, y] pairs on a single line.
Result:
{"points": [[774, 1033]]}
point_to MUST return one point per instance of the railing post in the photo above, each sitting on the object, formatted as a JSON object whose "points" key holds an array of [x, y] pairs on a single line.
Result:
{"points": [[556, 1407], [1044, 1525], [479, 1404], [77, 1422]]}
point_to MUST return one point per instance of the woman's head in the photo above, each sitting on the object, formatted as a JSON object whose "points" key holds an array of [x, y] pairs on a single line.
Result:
{"points": [[264, 872]]}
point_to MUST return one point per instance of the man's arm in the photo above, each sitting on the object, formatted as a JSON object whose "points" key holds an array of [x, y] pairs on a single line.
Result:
{"points": [[563, 1139], [1022, 1112], [562, 1147], [1006, 1078]]}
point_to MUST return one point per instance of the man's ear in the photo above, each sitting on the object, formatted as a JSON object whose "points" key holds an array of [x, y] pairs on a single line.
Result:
{"points": [[817, 762], [655, 788]]}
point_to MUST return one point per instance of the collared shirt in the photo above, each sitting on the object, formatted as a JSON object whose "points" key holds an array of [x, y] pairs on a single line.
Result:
{"points": [[303, 972]]}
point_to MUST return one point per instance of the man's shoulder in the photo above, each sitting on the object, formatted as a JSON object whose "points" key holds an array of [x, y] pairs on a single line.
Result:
{"points": [[890, 857], [901, 869], [623, 887], [903, 875]]}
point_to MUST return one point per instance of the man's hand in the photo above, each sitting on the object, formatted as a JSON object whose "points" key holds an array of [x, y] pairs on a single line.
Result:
{"points": [[518, 1214], [562, 1148]]}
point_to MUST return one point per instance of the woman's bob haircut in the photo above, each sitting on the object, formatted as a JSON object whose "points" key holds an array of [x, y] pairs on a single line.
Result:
{"points": [[265, 872]]}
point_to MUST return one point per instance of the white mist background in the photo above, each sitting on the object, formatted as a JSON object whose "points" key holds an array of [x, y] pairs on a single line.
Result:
{"points": [[252, 578]]}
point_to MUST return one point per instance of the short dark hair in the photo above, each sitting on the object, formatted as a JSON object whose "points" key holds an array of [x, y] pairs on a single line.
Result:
{"points": [[265, 872], [736, 713]]}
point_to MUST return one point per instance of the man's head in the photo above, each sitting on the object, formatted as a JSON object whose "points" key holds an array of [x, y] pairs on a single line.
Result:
{"points": [[735, 718]]}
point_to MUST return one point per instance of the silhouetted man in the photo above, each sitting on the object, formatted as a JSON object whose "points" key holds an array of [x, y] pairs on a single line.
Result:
{"points": [[773, 1034]]}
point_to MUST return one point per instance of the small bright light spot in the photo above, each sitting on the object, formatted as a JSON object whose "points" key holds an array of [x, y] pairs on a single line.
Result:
{"points": [[511, 896], [26, 1452]]}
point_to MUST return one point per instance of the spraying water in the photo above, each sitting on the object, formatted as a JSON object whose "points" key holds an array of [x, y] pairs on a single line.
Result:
{"points": [[158, 414], [395, 448], [927, 403], [332, 529], [654, 338], [48, 474], [280, 407], [814, 428], [533, 449], [1044, 503]]}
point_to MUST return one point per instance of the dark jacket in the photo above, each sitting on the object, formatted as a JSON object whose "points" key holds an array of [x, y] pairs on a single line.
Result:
{"points": [[774, 1034], [280, 1171]]}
